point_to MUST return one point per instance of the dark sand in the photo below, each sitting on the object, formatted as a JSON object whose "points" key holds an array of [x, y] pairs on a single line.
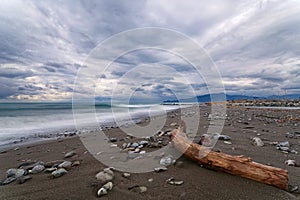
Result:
{"points": [[199, 183]]}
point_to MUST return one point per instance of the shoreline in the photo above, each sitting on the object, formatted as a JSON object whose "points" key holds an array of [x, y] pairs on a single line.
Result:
{"points": [[80, 183]]}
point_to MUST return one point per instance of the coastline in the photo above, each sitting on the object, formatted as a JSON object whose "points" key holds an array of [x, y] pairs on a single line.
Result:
{"points": [[199, 183]]}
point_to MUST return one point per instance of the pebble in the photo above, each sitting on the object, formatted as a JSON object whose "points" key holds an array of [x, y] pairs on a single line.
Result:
{"points": [[126, 175], [70, 154], [58, 173], [160, 169], [172, 181], [173, 124], [76, 163], [257, 142], [54, 163], [16, 173], [142, 152], [290, 162], [101, 192], [66, 165], [166, 161], [104, 189], [28, 167], [105, 176], [143, 189], [37, 169], [23, 179], [113, 139], [227, 142], [134, 145], [108, 186], [150, 180], [283, 144], [49, 170], [224, 137]]}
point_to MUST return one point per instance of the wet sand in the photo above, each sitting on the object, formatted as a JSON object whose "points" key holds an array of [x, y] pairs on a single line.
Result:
{"points": [[199, 183]]}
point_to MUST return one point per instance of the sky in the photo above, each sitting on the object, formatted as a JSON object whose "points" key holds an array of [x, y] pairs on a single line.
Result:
{"points": [[254, 45]]}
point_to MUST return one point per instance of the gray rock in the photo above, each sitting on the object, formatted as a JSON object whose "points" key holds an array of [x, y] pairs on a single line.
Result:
{"points": [[143, 142], [23, 179], [224, 137], [58, 173], [290, 162], [16, 173], [132, 155], [70, 154], [9, 180], [166, 161], [283, 144], [105, 176], [134, 145], [29, 167], [172, 181], [257, 142], [37, 169], [126, 175], [108, 186], [143, 189], [66, 165], [160, 169], [54, 163]]}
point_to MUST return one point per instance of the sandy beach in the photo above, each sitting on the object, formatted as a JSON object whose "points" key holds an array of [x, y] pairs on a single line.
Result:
{"points": [[271, 125]]}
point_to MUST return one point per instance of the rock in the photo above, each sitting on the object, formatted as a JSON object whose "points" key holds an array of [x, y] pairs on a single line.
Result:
{"points": [[143, 142], [113, 145], [76, 163], [113, 139], [54, 163], [101, 192], [150, 180], [143, 189], [283, 144], [173, 124], [27, 163], [9, 180], [70, 154], [16, 173], [292, 189], [257, 142], [58, 173], [137, 150], [160, 169], [290, 162], [142, 152], [28, 167], [134, 145], [227, 142], [66, 165], [166, 161], [126, 175], [23, 179], [224, 137], [105, 176], [37, 169], [108, 186], [124, 145], [49, 170], [172, 181]]}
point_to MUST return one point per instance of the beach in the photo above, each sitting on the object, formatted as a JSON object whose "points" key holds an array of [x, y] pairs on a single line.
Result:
{"points": [[272, 126]]}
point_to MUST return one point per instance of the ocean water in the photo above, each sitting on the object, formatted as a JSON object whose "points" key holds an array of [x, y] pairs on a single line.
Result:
{"points": [[19, 121]]}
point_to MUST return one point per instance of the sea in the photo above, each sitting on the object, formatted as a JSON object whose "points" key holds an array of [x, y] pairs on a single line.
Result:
{"points": [[28, 121]]}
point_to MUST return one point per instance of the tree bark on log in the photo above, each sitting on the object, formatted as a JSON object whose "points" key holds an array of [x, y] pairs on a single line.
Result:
{"points": [[235, 165]]}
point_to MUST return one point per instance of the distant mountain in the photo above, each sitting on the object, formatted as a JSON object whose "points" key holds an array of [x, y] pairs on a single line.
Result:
{"points": [[288, 96]]}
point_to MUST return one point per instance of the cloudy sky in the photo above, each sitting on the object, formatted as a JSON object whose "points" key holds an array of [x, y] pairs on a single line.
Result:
{"points": [[255, 46]]}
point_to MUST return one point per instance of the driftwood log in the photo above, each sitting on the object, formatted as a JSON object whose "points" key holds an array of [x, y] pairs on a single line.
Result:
{"points": [[235, 165]]}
